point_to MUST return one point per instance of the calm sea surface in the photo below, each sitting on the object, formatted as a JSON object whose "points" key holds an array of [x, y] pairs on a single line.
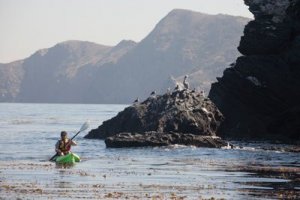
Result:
{"points": [[28, 133]]}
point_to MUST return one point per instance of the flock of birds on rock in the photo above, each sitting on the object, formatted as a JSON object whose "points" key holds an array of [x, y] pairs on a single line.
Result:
{"points": [[185, 85]]}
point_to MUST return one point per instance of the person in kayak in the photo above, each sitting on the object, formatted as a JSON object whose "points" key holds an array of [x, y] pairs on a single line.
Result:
{"points": [[63, 146]]}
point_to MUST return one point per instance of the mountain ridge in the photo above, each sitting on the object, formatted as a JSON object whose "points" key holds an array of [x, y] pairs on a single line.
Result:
{"points": [[120, 73]]}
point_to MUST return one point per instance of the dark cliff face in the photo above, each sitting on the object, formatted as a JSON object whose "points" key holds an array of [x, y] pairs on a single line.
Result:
{"points": [[260, 95]]}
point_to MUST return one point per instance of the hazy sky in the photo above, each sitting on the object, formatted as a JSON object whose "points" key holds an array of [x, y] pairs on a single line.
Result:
{"points": [[29, 25]]}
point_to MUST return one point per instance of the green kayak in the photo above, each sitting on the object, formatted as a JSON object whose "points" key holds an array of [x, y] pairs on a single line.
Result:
{"points": [[70, 158]]}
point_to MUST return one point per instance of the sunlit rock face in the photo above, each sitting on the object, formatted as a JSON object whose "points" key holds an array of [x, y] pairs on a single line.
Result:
{"points": [[260, 94]]}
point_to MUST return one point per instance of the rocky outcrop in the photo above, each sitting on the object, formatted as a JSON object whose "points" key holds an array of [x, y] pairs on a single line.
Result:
{"points": [[260, 94], [172, 118], [153, 139]]}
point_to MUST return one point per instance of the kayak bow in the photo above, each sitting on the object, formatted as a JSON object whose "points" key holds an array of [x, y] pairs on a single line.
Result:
{"points": [[70, 158]]}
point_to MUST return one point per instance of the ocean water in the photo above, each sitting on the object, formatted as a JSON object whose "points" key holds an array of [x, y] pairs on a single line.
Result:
{"points": [[28, 133]]}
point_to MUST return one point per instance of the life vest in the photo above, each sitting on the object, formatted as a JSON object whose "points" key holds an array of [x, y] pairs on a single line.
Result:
{"points": [[63, 146]]}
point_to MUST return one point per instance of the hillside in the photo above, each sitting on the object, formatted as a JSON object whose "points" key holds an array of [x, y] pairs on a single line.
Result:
{"points": [[183, 42]]}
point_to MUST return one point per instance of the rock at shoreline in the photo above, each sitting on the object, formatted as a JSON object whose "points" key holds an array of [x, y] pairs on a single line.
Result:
{"points": [[260, 94], [181, 112], [152, 139]]}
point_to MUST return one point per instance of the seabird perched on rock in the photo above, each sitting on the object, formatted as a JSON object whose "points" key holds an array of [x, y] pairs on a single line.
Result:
{"points": [[153, 93], [177, 87], [137, 100], [204, 110], [186, 85], [202, 93]]}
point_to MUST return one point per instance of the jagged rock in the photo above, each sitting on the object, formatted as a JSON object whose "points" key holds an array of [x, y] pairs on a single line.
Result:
{"points": [[260, 95], [264, 37], [153, 139], [182, 112], [261, 9], [270, 32]]}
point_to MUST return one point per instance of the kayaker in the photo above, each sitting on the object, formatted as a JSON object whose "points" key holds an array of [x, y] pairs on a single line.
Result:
{"points": [[63, 146]]}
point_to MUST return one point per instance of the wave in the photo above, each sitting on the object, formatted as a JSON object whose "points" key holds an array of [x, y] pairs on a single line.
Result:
{"points": [[21, 121]]}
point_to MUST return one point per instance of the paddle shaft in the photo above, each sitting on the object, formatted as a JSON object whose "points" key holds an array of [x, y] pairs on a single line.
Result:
{"points": [[69, 141], [75, 135]]}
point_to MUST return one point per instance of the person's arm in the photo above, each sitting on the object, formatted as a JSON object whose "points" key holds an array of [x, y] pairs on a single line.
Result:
{"points": [[73, 143], [57, 147]]}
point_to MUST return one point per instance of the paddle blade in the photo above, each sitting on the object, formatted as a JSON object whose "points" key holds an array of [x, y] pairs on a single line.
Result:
{"points": [[84, 126]]}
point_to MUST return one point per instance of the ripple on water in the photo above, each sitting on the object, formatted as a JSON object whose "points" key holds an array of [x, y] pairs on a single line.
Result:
{"points": [[137, 173]]}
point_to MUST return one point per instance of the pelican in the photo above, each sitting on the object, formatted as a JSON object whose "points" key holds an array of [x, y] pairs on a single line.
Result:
{"points": [[153, 93], [202, 93], [186, 85], [137, 100]]}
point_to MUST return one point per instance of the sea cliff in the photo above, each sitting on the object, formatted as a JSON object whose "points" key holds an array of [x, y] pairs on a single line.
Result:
{"points": [[259, 94]]}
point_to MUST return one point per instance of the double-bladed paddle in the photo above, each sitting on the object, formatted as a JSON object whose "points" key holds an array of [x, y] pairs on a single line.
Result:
{"points": [[83, 128]]}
